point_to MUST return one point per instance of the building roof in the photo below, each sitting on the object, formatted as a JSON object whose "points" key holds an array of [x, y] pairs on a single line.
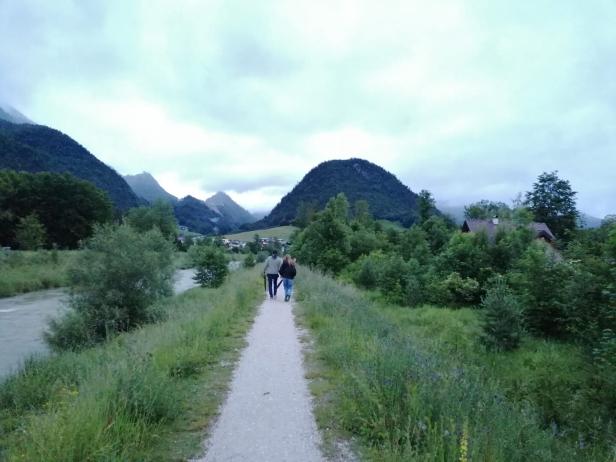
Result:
{"points": [[491, 227]]}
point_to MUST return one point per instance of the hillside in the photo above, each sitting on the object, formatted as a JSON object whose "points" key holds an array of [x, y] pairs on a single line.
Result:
{"points": [[197, 216], [233, 213], [36, 148], [146, 186], [358, 179]]}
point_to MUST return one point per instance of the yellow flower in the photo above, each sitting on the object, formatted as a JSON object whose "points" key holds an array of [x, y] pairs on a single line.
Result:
{"points": [[464, 443]]}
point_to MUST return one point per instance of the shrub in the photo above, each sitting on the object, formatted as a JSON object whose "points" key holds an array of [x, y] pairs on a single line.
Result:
{"points": [[250, 260], [502, 327], [114, 283], [539, 280], [461, 290], [211, 265], [30, 233]]}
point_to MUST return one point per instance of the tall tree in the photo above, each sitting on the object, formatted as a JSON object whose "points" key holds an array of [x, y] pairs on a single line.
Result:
{"points": [[485, 209], [552, 201], [425, 205]]}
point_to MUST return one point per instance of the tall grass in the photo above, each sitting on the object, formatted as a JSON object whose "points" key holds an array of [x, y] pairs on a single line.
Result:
{"points": [[145, 395], [26, 271], [410, 397]]}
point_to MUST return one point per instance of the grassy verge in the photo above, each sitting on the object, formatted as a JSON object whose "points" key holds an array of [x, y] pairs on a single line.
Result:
{"points": [[403, 388], [282, 232], [146, 395], [25, 271]]}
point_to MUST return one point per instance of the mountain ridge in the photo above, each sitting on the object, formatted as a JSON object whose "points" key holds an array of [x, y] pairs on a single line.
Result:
{"points": [[145, 185], [38, 148], [358, 179]]}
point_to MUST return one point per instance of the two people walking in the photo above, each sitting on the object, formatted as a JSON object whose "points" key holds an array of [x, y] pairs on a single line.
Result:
{"points": [[275, 266]]}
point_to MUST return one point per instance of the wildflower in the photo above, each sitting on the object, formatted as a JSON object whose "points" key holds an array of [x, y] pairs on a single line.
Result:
{"points": [[464, 443]]}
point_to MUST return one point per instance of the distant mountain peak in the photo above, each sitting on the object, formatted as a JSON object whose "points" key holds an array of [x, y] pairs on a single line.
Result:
{"points": [[229, 209], [358, 179], [146, 186]]}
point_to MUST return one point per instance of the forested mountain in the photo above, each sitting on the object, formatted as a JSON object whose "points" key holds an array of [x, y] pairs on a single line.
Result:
{"points": [[146, 186], [36, 148], [229, 209], [358, 179], [197, 216]]}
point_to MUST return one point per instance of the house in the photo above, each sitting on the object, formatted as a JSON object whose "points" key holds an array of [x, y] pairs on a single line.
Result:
{"points": [[492, 226]]}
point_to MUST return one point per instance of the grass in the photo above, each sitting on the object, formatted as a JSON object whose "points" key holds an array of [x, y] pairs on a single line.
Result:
{"points": [[27, 271], [415, 385], [145, 395], [282, 232]]}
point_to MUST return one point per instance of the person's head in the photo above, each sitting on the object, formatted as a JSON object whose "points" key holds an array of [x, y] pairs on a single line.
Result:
{"points": [[275, 253], [289, 260]]}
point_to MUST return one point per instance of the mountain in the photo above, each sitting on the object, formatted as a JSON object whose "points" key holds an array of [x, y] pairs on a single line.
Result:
{"points": [[10, 114], [388, 198], [588, 221], [197, 216], [229, 209], [146, 186], [36, 148]]}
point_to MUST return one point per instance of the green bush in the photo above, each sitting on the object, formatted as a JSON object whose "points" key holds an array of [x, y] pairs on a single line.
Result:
{"points": [[30, 233], [115, 281], [502, 317], [211, 265], [250, 260]]}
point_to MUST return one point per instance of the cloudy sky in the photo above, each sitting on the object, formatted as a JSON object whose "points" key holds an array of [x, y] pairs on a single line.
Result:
{"points": [[469, 99]]}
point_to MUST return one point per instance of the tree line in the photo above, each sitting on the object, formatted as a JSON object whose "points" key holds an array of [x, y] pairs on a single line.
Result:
{"points": [[524, 285]]}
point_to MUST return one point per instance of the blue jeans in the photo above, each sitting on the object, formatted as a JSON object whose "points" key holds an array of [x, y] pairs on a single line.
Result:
{"points": [[288, 286], [272, 284]]}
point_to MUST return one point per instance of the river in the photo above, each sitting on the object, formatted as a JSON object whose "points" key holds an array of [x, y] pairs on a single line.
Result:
{"points": [[23, 319]]}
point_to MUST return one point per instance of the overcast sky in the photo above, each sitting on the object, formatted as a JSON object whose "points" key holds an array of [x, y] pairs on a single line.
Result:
{"points": [[468, 99]]}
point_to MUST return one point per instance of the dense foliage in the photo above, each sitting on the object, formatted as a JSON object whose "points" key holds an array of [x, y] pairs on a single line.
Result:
{"points": [[358, 179], [36, 148], [67, 209], [116, 279], [159, 215], [567, 294]]}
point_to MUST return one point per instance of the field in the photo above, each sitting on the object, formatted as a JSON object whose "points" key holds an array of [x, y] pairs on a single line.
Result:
{"points": [[415, 384], [145, 395], [282, 232], [27, 271]]}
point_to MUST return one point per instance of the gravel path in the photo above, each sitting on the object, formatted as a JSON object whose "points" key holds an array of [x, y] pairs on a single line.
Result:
{"points": [[268, 413]]}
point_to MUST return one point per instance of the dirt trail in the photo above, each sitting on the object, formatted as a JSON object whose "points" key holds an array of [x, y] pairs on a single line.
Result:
{"points": [[268, 413]]}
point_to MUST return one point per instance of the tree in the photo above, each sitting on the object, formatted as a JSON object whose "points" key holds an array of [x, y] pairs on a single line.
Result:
{"points": [[159, 215], [115, 282], [68, 208], [552, 201], [361, 212], [305, 213], [485, 209], [211, 265], [30, 233], [425, 205], [502, 327], [325, 243]]}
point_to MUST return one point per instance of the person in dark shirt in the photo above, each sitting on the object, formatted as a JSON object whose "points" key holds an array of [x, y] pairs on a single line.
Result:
{"points": [[287, 272]]}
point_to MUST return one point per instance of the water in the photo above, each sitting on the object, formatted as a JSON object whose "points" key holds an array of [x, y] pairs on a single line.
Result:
{"points": [[23, 319]]}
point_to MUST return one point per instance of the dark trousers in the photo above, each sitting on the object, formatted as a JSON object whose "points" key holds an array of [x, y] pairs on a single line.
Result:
{"points": [[272, 284]]}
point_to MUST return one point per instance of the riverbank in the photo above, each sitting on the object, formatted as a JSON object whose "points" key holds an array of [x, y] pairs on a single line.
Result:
{"points": [[30, 271], [145, 395]]}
